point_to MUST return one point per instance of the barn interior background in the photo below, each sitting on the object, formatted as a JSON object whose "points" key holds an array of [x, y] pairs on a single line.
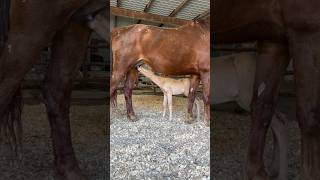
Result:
{"points": [[232, 125], [153, 147]]}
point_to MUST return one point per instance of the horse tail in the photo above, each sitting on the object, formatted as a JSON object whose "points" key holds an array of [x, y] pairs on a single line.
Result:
{"points": [[4, 21], [11, 124], [113, 92]]}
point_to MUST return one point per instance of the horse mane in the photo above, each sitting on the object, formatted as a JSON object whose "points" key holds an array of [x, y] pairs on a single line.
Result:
{"points": [[4, 21]]}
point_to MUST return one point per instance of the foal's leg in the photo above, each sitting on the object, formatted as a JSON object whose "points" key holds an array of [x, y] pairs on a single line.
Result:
{"points": [[194, 83], [132, 77], [305, 48], [69, 50], [165, 103], [169, 96], [205, 78], [271, 65]]}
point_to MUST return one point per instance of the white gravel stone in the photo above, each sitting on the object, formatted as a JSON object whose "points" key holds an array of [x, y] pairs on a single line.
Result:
{"points": [[154, 147]]}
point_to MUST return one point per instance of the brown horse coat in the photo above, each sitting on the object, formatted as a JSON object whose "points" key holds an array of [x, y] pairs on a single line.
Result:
{"points": [[34, 25], [171, 51]]}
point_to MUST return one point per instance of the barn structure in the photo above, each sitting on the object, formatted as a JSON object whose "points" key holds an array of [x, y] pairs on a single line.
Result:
{"points": [[154, 147]]}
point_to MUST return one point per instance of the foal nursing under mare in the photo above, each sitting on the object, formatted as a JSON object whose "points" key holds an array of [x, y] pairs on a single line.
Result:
{"points": [[170, 86], [284, 29], [171, 51], [33, 26]]}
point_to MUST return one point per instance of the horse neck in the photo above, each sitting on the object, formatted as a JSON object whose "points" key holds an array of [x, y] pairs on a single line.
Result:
{"points": [[149, 74]]}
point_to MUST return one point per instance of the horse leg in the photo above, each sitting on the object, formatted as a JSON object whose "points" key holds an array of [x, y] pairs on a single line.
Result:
{"points": [[22, 49], [194, 83], [198, 108], [68, 52], [279, 127], [271, 65], [118, 72], [165, 103], [305, 48], [132, 77], [169, 95], [205, 78]]}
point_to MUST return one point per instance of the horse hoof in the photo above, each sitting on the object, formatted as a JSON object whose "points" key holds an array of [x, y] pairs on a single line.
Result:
{"points": [[132, 118], [70, 175], [207, 123], [258, 175], [189, 120]]}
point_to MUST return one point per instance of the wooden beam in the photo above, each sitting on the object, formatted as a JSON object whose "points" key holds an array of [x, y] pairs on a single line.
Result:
{"points": [[146, 8], [148, 17], [177, 9], [203, 15]]}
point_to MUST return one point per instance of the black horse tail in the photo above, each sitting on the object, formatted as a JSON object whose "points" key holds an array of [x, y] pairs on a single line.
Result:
{"points": [[10, 123], [4, 21]]}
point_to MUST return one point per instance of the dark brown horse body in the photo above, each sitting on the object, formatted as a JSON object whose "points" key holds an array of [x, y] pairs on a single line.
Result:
{"points": [[284, 29], [171, 51], [32, 26]]}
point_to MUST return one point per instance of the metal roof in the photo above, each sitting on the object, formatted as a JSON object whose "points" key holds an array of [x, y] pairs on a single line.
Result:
{"points": [[191, 10]]}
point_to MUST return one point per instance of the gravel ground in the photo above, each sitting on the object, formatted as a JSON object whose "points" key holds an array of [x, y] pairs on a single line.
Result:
{"points": [[89, 139], [154, 147], [230, 141]]}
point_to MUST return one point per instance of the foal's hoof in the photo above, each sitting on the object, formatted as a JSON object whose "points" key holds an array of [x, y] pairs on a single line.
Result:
{"points": [[132, 118], [207, 123], [189, 119]]}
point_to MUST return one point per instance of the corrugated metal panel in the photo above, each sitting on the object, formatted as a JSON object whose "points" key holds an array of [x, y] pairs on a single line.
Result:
{"points": [[165, 7], [113, 3], [193, 9]]}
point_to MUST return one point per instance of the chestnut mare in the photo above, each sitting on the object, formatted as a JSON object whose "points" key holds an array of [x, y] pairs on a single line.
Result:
{"points": [[284, 29], [170, 51], [33, 26]]}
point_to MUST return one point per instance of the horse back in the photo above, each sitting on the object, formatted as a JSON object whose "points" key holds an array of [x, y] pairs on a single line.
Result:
{"points": [[251, 20], [164, 49]]}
